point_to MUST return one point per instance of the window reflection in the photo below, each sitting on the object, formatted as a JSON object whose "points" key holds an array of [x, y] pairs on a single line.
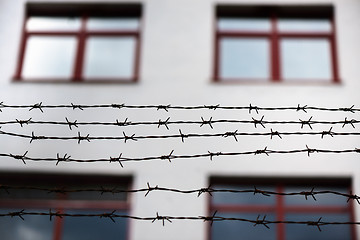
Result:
{"points": [[244, 58], [47, 56], [244, 24], [305, 59], [112, 24], [53, 23]]}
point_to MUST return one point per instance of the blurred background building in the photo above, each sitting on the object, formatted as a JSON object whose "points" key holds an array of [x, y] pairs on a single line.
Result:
{"points": [[268, 53]]}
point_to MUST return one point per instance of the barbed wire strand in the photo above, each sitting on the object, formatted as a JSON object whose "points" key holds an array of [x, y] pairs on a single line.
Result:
{"points": [[167, 122], [163, 218], [120, 159], [209, 190], [250, 108], [79, 138]]}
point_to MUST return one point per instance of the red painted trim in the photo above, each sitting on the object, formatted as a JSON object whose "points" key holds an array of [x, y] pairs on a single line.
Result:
{"points": [[274, 52], [244, 208], [334, 57], [280, 214], [82, 34], [81, 37], [275, 37], [58, 226], [21, 51]]}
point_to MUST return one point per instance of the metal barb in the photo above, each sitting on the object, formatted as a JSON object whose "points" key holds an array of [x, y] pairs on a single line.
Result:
{"points": [[317, 223], [165, 107], [117, 159], [20, 157], [351, 122], [119, 106], [161, 218], [82, 138], [255, 121], [167, 157], [253, 108], [204, 122], [327, 133], [261, 221], [213, 107], [262, 151], [182, 135], [132, 137], [274, 133], [62, 159], [22, 122], [228, 134], [306, 194], [308, 122], [109, 215], [76, 106], [122, 123], [38, 106], [212, 154], [164, 123], [350, 109], [33, 137], [301, 108], [71, 123]]}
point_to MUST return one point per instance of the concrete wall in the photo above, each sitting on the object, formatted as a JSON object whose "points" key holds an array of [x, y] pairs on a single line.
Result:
{"points": [[176, 68]]}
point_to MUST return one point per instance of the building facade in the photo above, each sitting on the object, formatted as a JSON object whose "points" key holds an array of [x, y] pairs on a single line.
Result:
{"points": [[161, 53]]}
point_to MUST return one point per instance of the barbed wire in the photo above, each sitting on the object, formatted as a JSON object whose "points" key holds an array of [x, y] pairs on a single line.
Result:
{"points": [[250, 108], [167, 122], [79, 138], [163, 218], [120, 159], [209, 190]]}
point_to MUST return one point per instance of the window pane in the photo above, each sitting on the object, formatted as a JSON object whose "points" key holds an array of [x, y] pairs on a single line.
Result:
{"points": [[244, 58], [53, 23], [95, 195], [304, 25], [110, 57], [322, 199], [34, 227], [244, 24], [113, 24], [94, 228], [305, 59], [242, 198], [328, 232], [242, 230], [49, 57]]}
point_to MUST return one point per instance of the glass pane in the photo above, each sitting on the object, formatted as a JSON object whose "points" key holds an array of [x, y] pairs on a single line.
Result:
{"points": [[244, 24], [328, 232], [110, 57], [34, 227], [242, 198], [244, 58], [321, 199], [53, 23], [94, 228], [26, 194], [95, 195], [113, 24], [49, 57], [305, 59], [304, 25], [242, 230]]}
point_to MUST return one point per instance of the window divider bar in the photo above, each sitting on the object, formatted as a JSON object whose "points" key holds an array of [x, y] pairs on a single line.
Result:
{"points": [[80, 50]]}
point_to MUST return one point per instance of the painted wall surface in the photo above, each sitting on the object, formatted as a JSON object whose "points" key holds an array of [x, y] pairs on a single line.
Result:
{"points": [[176, 66]]}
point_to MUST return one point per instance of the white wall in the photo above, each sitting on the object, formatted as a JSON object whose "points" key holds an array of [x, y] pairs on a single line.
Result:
{"points": [[176, 68]]}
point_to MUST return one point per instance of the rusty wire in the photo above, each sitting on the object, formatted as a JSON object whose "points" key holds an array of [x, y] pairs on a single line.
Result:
{"points": [[120, 159], [209, 190], [163, 218], [167, 107]]}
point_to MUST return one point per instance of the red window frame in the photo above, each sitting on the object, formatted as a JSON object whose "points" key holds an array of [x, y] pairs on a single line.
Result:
{"points": [[84, 11], [274, 36], [61, 203], [280, 209]]}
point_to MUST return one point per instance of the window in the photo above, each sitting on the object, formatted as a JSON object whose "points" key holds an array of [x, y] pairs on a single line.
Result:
{"points": [[88, 202], [332, 208], [267, 43], [80, 42]]}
